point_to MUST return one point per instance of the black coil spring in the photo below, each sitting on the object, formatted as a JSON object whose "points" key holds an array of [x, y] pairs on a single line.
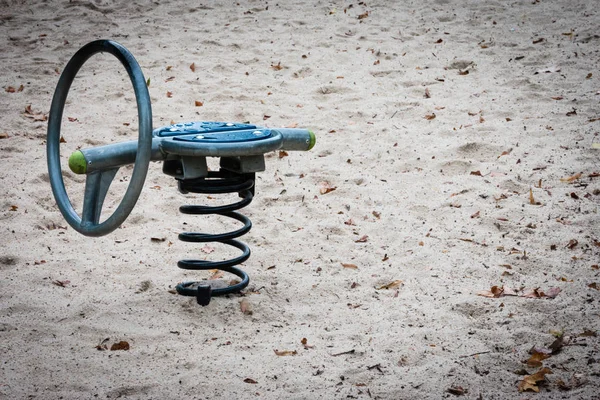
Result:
{"points": [[217, 182]]}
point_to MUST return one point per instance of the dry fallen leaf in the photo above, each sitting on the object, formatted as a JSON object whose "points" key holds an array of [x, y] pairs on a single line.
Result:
{"points": [[572, 244], [362, 239], [36, 116], [505, 153], [326, 188], [250, 380], [283, 153], [572, 178], [350, 266], [536, 359], [395, 284], [457, 390], [531, 382], [277, 67], [536, 293], [169, 94], [429, 117], [198, 103], [193, 67], [497, 291], [122, 345]]}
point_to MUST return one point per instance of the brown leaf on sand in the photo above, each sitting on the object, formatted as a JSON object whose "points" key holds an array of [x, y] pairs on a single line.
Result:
{"points": [[35, 115], [457, 390], [349, 266], [572, 244], [198, 103], [536, 359], [505, 153], [250, 380], [363, 239], [4, 136], [122, 345], [277, 67], [307, 346], [429, 117], [326, 187], [216, 274], [594, 285], [245, 307], [497, 291], [285, 352], [556, 346], [193, 67], [392, 285], [537, 293], [531, 382], [169, 94], [571, 178], [283, 153]]}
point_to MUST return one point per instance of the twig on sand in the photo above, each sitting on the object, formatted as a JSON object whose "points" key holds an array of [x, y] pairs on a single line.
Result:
{"points": [[475, 354], [343, 352]]}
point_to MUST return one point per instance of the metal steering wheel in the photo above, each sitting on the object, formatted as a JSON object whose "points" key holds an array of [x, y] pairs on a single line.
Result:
{"points": [[97, 183]]}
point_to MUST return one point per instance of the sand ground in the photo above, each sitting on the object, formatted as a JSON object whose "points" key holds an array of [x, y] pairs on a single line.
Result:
{"points": [[457, 153]]}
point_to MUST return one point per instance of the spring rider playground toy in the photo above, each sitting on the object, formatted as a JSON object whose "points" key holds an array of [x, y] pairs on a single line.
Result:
{"points": [[183, 149]]}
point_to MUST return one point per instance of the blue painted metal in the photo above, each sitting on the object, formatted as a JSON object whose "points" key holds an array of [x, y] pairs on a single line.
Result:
{"points": [[200, 127]]}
